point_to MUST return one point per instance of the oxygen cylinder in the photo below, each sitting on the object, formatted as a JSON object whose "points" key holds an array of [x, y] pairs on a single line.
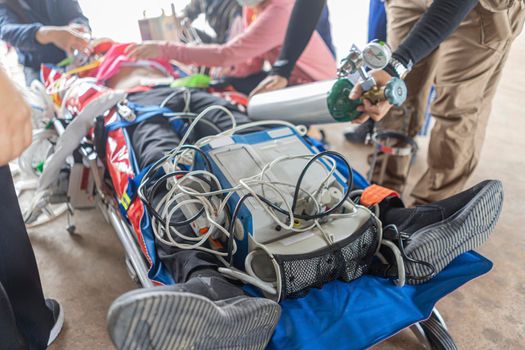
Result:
{"points": [[321, 102], [315, 103], [328, 101]]}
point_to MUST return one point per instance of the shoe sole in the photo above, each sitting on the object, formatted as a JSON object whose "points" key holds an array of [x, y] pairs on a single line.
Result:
{"points": [[57, 327], [441, 243], [176, 320]]}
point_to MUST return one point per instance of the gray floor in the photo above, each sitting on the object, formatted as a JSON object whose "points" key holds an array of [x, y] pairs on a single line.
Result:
{"points": [[86, 271]]}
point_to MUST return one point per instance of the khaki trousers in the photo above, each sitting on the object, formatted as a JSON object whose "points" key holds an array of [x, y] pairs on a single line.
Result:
{"points": [[465, 70]]}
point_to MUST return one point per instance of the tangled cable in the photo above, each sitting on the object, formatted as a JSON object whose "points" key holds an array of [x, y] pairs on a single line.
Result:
{"points": [[177, 195]]}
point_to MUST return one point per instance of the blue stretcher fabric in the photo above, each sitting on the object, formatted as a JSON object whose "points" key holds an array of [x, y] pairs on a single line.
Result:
{"points": [[364, 312]]}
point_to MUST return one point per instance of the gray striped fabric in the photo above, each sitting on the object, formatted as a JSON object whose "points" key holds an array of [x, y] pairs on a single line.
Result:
{"points": [[173, 320], [439, 244]]}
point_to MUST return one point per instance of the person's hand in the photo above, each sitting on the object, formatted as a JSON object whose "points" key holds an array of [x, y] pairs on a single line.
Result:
{"points": [[65, 38], [270, 83], [15, 121], [184, 20], [81, 28], [146, 50], [374, 111]]}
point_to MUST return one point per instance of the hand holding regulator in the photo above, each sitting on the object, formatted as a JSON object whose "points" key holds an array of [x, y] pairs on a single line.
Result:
{"points": [[375, 55], [328, 101]]}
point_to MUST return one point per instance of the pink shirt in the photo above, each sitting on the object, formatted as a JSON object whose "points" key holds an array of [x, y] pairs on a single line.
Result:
{"points": [[260, 41]]}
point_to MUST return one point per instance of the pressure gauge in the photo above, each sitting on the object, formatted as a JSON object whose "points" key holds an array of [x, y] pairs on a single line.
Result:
{"points": [[376, 54]]}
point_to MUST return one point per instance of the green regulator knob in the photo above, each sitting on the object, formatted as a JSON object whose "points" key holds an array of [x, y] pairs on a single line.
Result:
{"points": [[339, 105], [343, 109], [396, 92]]}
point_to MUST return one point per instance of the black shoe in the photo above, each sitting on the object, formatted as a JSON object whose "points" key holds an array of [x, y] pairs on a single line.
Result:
{"points": [[361, 133], [183, 317], [58, 317], [431, 236]]}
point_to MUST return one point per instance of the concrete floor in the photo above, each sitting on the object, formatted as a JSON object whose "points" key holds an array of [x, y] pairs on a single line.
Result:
{"points": [[86, 271]]}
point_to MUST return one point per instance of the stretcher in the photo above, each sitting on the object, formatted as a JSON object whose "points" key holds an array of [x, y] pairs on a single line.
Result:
{"points": [[339, 315]]}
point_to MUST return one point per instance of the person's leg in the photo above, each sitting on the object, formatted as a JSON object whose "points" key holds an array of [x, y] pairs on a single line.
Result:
{"points": [[402, 15], [151, 140], [324, 28], [434, 234], [376, 31], [197, 101], [179, 317], [10, 336], [466, 81], [408, 119], [203, 309], [18, 269], [377, 20]]}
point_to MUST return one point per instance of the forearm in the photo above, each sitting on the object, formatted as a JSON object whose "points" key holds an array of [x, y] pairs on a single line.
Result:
{"points": [[203, 55], [260, 37], [303, 21], [441, 19], [21, 36]]}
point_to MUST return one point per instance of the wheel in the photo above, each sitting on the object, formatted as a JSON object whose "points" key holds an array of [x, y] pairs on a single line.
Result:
{"points": [[437, 335], [71, 229]]}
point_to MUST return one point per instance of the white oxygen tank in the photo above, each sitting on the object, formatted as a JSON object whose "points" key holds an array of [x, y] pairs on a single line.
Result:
{"points": [[302, 104]]}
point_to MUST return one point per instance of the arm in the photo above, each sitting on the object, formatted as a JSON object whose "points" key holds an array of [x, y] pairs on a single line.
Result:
{"points": [[260, 37], [441, 19], [304, 19], [32, 37], [15, 121], [19, 35], [263, 35]]}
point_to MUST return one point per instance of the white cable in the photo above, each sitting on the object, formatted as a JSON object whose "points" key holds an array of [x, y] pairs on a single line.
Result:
{"points": [[191, 189], [308, 157], [247, 185], [159, 230], [198, 118], [163, 208]]}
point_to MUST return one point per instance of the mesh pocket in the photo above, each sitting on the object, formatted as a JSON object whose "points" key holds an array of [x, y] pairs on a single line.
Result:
{"points": [[345, 260]]}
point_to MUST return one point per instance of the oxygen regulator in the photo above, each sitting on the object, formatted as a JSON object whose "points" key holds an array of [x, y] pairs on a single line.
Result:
{"points": [[375, 55]]}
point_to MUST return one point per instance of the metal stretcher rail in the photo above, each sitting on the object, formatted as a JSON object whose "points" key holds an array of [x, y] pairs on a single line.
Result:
{"points": [[128, 242]]}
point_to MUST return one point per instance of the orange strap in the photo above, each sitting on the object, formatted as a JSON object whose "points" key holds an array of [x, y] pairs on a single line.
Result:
{"points": [[374, 194]]}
